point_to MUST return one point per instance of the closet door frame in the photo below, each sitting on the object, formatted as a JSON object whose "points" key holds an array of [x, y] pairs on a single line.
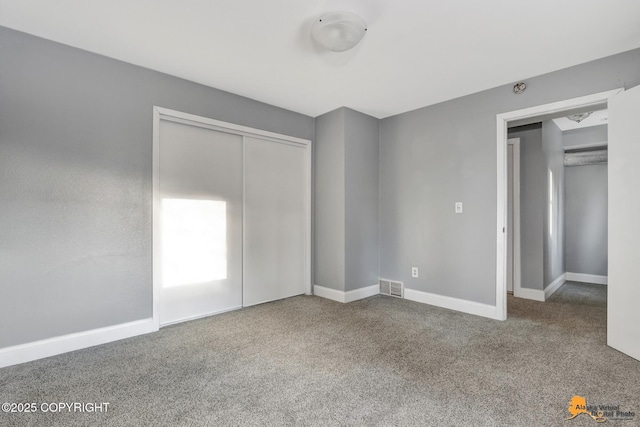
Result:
{"points": [[161, 113]]}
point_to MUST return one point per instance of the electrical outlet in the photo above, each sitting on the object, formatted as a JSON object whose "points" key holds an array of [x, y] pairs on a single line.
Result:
{"points": [[414, 272], [458, 207]]}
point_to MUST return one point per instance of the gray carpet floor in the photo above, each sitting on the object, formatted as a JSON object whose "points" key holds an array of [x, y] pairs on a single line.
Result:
{"points": [[581, 294], [311, 361]]}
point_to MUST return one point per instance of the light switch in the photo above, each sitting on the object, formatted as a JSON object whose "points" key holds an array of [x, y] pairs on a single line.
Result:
{"points": [[458, 207]]}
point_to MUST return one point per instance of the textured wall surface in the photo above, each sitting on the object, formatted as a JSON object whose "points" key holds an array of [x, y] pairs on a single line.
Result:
{"points": [[362, 135], [554, 203], [432, 157], [586, 219], [75, 182], [590, 135], [346, 200], [586, 207], [329, 219], [532, 205]]}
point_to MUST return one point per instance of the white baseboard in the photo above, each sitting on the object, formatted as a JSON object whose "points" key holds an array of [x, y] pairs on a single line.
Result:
{"points": [[345, 297], [52, 346], [555, 285], [362, 293], [328, 293], [587, 278], [456, 304], [527, 293]]}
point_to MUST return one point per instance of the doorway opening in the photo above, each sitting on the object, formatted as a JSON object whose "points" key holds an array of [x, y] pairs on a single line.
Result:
{"points": [[564, 212], [522, 117]]}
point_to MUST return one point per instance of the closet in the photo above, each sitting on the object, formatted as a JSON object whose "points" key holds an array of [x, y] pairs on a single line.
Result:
{"points": [[231, 216]]}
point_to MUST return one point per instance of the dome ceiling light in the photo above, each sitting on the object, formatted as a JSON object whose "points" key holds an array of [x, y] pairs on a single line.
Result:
{"points": [[338, 31], [579, 117]]}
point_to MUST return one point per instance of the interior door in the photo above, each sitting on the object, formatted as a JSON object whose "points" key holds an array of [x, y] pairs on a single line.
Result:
{"points": [[275, 221], [623, 299], [200, 177]]}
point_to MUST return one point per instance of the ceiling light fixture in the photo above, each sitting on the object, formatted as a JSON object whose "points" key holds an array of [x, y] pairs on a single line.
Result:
{"points": [[579, 117], [338, 31]]}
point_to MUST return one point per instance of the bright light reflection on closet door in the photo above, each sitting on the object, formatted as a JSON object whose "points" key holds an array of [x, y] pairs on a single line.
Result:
{"points": [[194, 241]]}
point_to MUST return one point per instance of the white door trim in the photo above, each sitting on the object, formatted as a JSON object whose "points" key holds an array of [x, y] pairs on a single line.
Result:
{"points": [[502, 120], [160, 113], [517, 275]]}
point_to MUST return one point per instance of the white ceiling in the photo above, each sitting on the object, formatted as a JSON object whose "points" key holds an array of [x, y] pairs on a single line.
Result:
{"points": [[415, 53]]}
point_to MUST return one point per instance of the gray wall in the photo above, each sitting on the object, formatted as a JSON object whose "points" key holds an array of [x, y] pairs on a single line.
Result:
{"points": [[590, 135], [532, 204], [329, 219], [586, 219], [586, 212], [346, 200], [361, 214], [75, 182], [554, 263], [444, 153]]}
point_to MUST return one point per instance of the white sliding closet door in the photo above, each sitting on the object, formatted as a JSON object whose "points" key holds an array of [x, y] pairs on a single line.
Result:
{"points": [[275, 220], [200, 221]]}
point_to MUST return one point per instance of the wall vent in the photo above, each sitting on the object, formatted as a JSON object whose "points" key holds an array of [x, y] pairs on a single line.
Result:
{"points": [[391, 288]]}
